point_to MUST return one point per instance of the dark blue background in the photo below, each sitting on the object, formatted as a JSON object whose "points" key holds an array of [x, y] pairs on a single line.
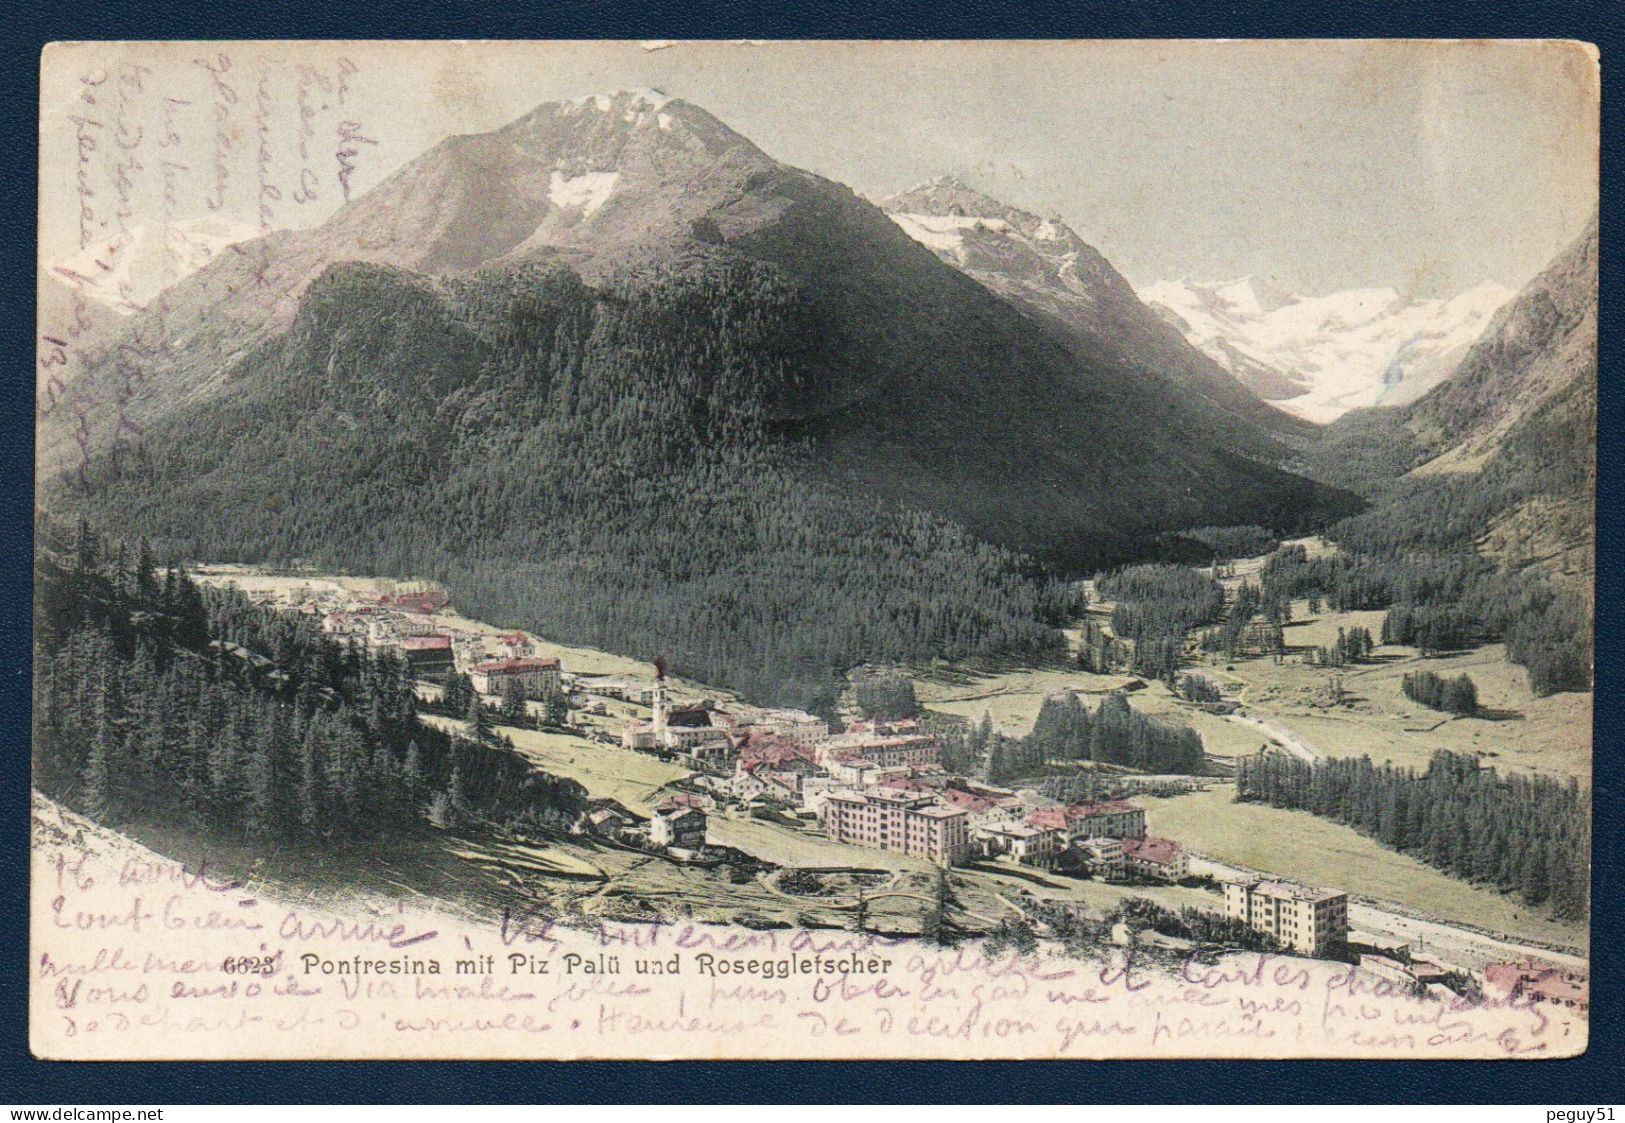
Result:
{"points": [[1589, 1080]]}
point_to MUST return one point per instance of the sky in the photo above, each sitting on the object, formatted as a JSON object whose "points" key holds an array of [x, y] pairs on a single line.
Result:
{"points": [[1425, 167]]}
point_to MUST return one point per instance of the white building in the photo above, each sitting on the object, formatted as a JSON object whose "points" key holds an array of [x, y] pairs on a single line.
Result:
{"points": [[677, 826], [1021, 842], [1313, 921], [536, 678], [883, 750], [1104, 857], [1161, 858], [794, 725], [905, 822]]}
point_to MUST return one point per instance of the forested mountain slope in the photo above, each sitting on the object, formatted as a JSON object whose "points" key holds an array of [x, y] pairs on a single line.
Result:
{"points": [[1503, 452], [613, 372], [602, 466], [1482, 523]]}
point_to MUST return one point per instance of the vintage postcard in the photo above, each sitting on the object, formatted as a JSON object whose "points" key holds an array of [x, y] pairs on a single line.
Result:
{"points": [[814, 550]]}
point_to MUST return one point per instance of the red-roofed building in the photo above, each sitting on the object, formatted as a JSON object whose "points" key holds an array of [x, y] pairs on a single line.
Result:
{"points": [[1118, 818], [886, 752], [1161, 858], [537, 678], [1048, 819], [968, 801], [983, 809], [905, 783], [517, 645], [685, 799], [767, 748], [425, 602]]}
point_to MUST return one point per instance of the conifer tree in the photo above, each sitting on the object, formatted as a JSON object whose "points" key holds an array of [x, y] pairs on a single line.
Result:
{"points": [[477, 717], [934, 922], [513, 708], [96, 787]]}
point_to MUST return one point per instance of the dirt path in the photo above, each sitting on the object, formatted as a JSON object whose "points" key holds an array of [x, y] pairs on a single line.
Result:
{"points": [[1283, 738]]}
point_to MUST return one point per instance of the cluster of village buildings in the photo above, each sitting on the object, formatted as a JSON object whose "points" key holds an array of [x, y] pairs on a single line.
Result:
{"points": [[410, 620], [882, 785]]}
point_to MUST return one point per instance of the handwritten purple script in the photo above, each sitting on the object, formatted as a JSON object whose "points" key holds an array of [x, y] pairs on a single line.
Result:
{"points": [[144, 957], [219, 139]]}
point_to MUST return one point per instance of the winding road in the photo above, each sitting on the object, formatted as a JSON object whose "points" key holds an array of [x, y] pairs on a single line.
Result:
{"points": [[1282, 738]]}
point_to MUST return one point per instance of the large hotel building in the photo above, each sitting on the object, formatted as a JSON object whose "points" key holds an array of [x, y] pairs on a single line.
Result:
{"points": [[1312, 921], [908, 822]]}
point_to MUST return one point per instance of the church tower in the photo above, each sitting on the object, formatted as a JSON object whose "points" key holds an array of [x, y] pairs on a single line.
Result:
{"points": [[661, 737]]}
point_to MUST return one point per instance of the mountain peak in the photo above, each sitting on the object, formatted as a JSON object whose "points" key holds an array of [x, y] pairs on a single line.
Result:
{"points": [[613, 118], [633, 102], [928, 210], [1043, 264], [948, 182], [948, 196], [644, 106]]}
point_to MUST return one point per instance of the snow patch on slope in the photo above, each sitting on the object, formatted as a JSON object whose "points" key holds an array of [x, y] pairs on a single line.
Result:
{"points": [[1343, 351], [588, 191], [945, 233]]}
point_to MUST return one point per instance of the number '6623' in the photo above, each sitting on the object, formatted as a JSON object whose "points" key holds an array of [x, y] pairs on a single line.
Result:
{"points": [[251, 964]]}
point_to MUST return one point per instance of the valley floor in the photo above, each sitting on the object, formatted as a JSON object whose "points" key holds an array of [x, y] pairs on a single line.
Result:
{"points": [[1304, 847], [1285, 702], [1517, 731]]}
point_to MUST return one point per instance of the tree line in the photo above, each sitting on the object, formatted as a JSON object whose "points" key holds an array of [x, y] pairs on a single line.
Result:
{"points": [[1439, 592], [1525, 834], [884, 696], [1352, 645], [1099, 652], [156, 699], [1240, 634], [1155, 606], [1455, 695], [608, 467], [1228, 542]]}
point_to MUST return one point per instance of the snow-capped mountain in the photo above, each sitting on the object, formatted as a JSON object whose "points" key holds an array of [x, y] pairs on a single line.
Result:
{"points": [[888, 367], [1321, 356], [1044, 265], [125, 272]]}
